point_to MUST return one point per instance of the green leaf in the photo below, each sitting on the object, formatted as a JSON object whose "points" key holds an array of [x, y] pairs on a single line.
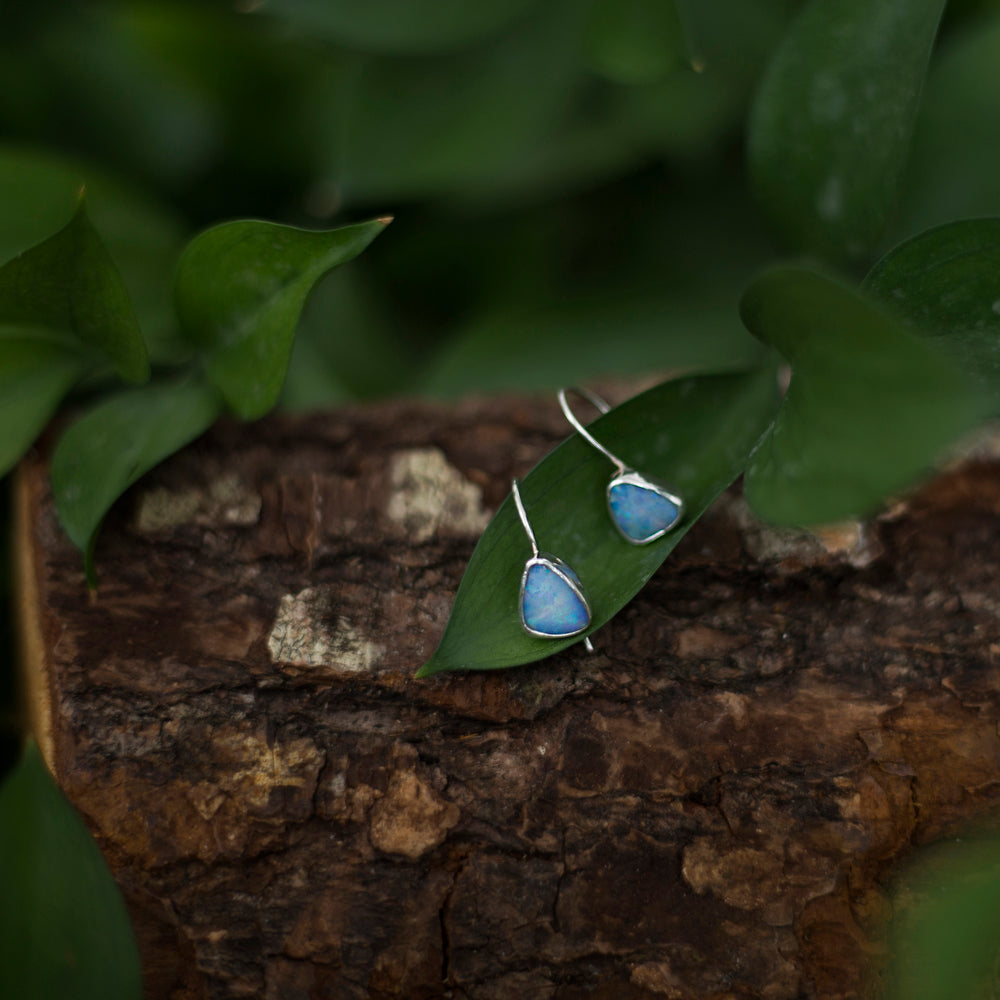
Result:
{"points": [[399, 25], [955, 164], [946, 932], [593, 334], [42, 190], [458, 124], [869, 408], [944, 282], [35, 374], [118, 441], [64, 929], [831, 123], [693, 434], [69, 283], [40, 193], [240, 289], [635, 41]]}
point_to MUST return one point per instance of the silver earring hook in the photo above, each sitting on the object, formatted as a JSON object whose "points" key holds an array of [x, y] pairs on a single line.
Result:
{"points": [[599, 404], [524, 519]]}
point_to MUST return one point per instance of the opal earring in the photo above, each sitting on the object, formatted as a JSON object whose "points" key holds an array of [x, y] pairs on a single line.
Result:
{"points": [[553, 603], [642, 510]]}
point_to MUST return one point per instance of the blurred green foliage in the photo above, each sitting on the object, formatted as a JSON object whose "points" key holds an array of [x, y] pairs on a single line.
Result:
{"points": [[946, 935], [64, 929], [581, 188]]}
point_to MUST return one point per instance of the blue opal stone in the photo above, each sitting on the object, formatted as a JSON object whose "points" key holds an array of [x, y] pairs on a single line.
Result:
{"points": [[549, 604], [641, 512]]}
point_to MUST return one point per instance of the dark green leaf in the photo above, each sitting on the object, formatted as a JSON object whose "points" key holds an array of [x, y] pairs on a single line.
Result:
{"points": [[955, 163], [831, 122], [944, 282], [635, 41], [692, 433], [41, 191], [577, 340], [64, 929], [457, 124], [240, 289], [69, 283], [399, 25], [117, 442], [946, 933], [35, 374], [734, 38], [869, 408]]}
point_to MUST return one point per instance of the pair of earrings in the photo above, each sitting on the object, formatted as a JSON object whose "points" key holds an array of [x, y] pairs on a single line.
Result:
{"points": [[553, 603]]}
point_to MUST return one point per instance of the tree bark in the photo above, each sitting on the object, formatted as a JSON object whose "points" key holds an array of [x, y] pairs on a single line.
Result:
{"points": [[709, 806]]}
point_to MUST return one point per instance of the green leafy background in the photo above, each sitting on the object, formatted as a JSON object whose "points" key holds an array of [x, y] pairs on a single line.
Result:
{"points": [[581, 188]]}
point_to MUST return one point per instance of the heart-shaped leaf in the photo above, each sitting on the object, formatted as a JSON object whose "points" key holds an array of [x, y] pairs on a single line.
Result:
{"points": [[119, 441], [831, 123], [240, 289], [693, 434], [869, 408], [35, 374], [68, 283], [944, 282], [64, 929]]}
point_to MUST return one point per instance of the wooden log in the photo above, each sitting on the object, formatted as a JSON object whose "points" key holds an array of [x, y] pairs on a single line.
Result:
{"points": [[709, 806]]}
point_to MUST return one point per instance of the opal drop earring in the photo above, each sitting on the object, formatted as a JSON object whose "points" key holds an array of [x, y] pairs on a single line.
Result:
{"points": [[553, 603], [641, 509]]}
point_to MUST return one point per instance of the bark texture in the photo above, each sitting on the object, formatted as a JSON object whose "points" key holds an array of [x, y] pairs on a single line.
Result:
{"points": [[709, 806]]}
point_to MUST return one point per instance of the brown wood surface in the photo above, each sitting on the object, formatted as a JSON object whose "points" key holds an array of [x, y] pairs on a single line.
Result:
{"points": [[710, 806]]}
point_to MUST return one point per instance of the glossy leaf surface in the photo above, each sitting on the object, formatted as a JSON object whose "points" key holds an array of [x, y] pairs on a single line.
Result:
{"points": [[68, 283], [64, 929], [35, 374], [118, 441], [693, 434], [240, 289], [831, 123], [945, 283], [871, 405]]}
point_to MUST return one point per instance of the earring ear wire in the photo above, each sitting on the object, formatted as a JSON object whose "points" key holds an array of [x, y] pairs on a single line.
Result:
{"points": [[552, 602], [642, 509]]}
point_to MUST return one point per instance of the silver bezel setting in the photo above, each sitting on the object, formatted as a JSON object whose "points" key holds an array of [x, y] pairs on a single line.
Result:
{"points": [[564, 573], [629, 477]]}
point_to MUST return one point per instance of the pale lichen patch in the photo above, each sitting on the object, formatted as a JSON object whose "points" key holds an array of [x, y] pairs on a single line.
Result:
{"points": [[226, 501], [305, 633], [428, 494], [851, 542]]}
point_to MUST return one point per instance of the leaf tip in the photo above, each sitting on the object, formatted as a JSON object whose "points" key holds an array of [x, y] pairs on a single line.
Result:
{"points": [[427, 670], [385, 219]]}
